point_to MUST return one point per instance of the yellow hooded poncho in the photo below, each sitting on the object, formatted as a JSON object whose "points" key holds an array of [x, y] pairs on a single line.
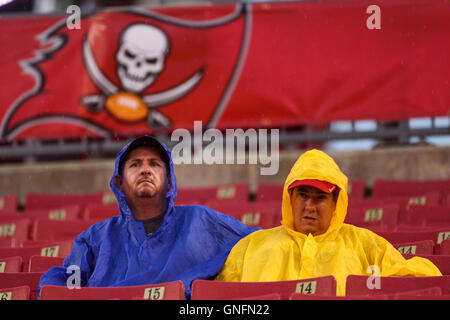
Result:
{"points": [[282, 253]]}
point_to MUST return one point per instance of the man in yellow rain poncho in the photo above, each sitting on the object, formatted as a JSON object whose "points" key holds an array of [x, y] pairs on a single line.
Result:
{"points": [[313, 240]]}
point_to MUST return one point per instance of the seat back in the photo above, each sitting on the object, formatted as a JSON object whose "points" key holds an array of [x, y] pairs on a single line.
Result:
{"points": [[42, 263], [16, 293], [384, 217], [428, 215], [56, 200], [232, 192], [444, 247], [437, 235], [223, 290], [383, 188], [8, 202], [18, 279], [50, 249], [56, 230], [11, 264], [13, 231], [160, 291], [100, 211], [415, 247], [266, 214], [64, 213], [368, 285]]}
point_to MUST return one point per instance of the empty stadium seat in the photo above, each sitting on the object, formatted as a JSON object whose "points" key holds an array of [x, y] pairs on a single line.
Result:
{"points": [[358, 285], [100, 211], [11, 264], [160, 291], [51, 249], [266, 214], [16, 293], [440, 261], [443, 247], [18, 279], [401, 201], [428, 215], [56, 230], [437, 235], [356, 189], [223, 290], [13, 232], [299, 296], [415, 247], [384, 188], [43, 263], [51, 201], [236, 192], [269, 192], [8, 202], [384, 217], [433, 293], [64, 213]]}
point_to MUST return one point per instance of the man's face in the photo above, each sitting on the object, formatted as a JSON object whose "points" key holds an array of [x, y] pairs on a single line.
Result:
{"points": [[312, 209], [144, 175]]}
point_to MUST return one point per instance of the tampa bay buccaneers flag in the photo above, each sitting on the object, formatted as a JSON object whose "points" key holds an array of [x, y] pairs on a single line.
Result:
{"points": [[129, 71], [142, 70]]}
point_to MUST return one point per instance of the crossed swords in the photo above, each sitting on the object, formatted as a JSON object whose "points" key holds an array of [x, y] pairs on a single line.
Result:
{"points": [[155, 119]]}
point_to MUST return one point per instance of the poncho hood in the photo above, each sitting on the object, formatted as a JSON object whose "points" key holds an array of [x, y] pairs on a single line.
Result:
{"points": [[316, 164], [171, 193]]}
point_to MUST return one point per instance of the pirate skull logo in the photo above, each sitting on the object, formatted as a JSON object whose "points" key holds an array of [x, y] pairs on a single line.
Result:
{"points": [[140, 59], [141, 56]]}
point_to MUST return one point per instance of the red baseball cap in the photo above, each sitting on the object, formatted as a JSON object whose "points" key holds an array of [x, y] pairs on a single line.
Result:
{"points": [[319, 184]]}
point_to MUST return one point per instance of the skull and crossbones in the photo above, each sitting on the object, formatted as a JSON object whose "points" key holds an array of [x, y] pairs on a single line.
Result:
{"points": [[140, 59]]}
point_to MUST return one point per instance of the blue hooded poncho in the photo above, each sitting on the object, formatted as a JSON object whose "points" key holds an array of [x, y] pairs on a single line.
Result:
{"points": [[193, 242]]}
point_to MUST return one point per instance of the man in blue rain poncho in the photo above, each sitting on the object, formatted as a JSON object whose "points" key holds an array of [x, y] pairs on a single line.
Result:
{"points": [[150, 240]]}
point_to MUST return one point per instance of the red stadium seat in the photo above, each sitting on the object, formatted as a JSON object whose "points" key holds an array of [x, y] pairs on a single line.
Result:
{"points": [[401, 201], [100, 211], [65, 213], [8, 202], [55, 249], [383, 188], [11, 264], [437, 235], [235, 192], [300, 296], [160, 291], [440, 261], [258, 214], [384, 217], [415, 247], [13, 232], [16, 293], [51, 201], [43, 263], [269, 192], [356, 189], [269, 296], [433, 293], [358, 285], [443, 247], [223, 290], [428, 215], [55, 230], [18, 279]]}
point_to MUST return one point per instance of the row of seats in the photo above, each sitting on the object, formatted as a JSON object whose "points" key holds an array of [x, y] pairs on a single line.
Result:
{"points": [[23, 287], [381, 189]]}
